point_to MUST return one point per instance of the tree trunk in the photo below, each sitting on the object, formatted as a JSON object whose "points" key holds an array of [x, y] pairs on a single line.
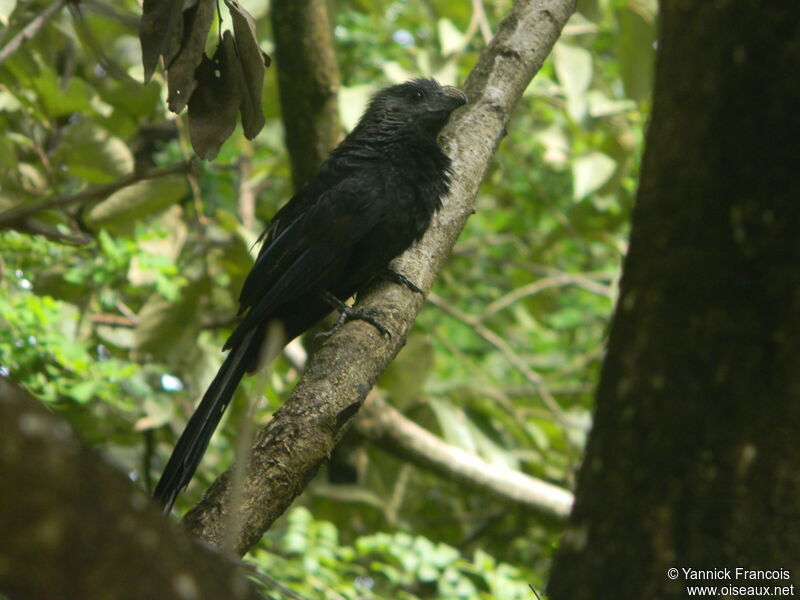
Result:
{"points": [[72, 526], [694, 460], [308, 81]]}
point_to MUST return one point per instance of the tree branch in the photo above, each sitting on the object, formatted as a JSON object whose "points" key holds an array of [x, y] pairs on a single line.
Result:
{"points": [[13, 215], [30, 30], [288, 451], [390, 430], [75, 527]]}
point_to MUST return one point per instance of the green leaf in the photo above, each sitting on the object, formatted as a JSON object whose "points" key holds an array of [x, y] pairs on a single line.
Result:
{"points": [[573, 66], [590, 172], [454, 424], [56, 100], [92, 154], [406, 375], [166, 328], [82, 392], [6, 8], [451, 40], [123, 208], [637, 34]]}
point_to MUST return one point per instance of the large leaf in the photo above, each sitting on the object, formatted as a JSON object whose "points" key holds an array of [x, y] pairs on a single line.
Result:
{"points": [[91, 153], [405, 377], [637, 35], [214, 106], [55, 98], [455, 426], [122, 209], [166, 329], [590, 172], [181, 70], [254, 61], [6, 8], [160, 18], [450, 38], [573, 66]]}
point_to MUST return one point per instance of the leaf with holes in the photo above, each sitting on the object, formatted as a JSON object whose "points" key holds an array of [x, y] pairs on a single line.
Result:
{"points": [[215, 103]]}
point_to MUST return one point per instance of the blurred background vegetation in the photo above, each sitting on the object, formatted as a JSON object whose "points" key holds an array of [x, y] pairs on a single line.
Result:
{"points": [[115, 299]]}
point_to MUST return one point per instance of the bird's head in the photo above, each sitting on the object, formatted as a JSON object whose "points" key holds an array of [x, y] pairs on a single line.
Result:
{"points": [[419, 106]]}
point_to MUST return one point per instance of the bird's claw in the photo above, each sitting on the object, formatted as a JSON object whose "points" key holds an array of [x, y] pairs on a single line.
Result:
{"points": [[355, 315], [347, 313], [401, 279]]}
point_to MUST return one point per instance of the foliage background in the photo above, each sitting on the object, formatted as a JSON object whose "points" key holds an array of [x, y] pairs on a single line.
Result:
{"points": [[113, 308]]}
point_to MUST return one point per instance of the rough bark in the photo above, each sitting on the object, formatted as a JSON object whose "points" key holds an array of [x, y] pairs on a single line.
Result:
{"points": [[308, 81], [71, 526], [694, 461], [391, 431], [290, 449]]}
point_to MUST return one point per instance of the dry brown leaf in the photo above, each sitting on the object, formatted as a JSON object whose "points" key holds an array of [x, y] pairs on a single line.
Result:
{"points": [[181, 71], [159, 21], [253, 63], [214, 105]]}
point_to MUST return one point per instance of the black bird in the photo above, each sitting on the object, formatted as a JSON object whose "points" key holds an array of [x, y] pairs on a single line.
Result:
{"points": [[371, 199]]}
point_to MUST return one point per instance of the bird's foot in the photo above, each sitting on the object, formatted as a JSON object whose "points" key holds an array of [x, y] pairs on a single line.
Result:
{"points": [[401, 279], [346, 313]]}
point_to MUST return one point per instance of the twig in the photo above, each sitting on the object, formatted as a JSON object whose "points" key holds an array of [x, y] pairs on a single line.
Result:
{"points": [[492, 390], [30, 30], [247, 196], [51, 233], [495, 340], [133, 321], [15, 213], [479, 14], [113, 320], [541, 285], [533, 589]]}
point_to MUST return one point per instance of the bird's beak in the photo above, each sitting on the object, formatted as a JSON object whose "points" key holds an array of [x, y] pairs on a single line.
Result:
{"points": [[458, 97]]}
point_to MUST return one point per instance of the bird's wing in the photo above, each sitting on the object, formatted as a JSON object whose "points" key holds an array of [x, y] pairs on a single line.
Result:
{"points": [[306, 253]]}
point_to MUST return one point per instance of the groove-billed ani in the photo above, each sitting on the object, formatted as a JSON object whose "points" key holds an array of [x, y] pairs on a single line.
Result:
{"points": [[371, 199]]}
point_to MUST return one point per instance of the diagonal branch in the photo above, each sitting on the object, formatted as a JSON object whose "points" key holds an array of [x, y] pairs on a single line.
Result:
{"points": [[30, 30], [288, 451]]}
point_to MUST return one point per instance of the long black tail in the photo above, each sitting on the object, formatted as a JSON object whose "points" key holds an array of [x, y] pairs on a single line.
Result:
{"points": [[194, 439]]}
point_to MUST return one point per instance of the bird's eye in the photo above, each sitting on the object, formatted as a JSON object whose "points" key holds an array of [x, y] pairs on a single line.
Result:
{"points": [[418, 95]]}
